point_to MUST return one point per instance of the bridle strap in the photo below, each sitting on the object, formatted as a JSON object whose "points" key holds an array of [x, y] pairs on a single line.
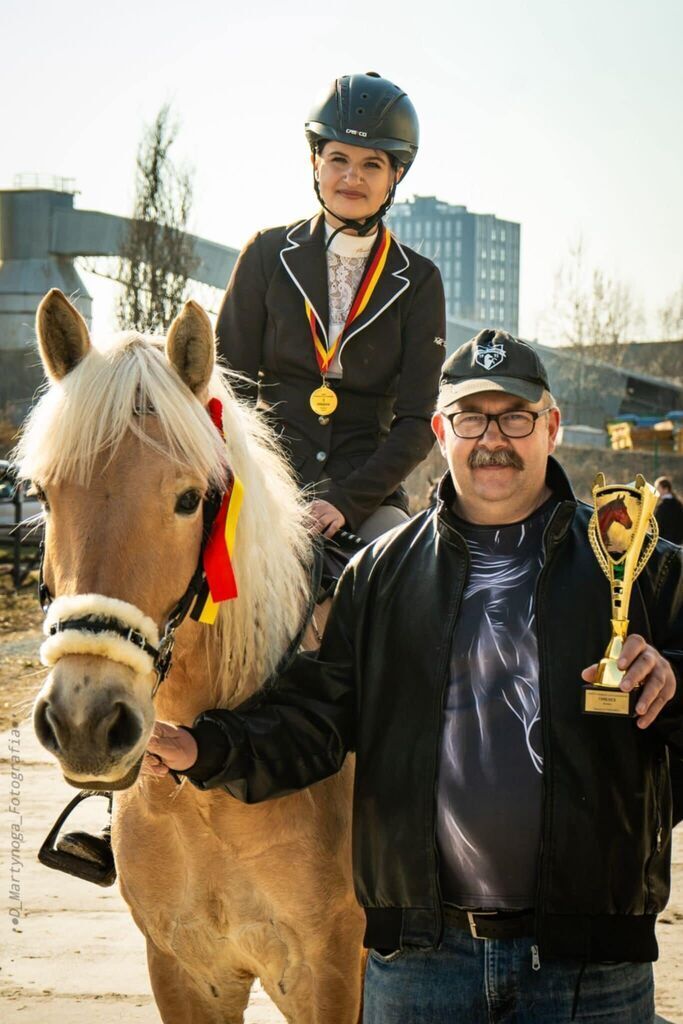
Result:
{"points": [[91, 624], [162, 655]]}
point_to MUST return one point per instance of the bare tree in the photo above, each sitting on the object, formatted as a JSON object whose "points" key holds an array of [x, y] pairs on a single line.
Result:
{"points": [[157, 257], [570, 314], [593, 315], [671, 316], [591, 308]]}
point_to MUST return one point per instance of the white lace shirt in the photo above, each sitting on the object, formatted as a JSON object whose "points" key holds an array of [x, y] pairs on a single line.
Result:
{"points": [[345, 263]]}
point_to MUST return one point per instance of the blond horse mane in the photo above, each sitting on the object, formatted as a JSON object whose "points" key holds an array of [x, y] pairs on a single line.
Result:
{"points": [[86, 416]]}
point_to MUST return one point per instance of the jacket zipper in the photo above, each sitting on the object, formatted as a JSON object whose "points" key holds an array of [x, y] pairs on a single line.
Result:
{"points": [[658, 830], [544, 707], [439, 736]]}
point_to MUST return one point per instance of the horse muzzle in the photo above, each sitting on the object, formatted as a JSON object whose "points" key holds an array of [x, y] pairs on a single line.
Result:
{"points": [[95, 717]]}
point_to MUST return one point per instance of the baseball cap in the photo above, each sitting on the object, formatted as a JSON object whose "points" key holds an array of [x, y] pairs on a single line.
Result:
{"points": [[492, 361]]}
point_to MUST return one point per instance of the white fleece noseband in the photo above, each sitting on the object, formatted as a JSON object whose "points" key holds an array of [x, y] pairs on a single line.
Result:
{"points": [[102, 644]]}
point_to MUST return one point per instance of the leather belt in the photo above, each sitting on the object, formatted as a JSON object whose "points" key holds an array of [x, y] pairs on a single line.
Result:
{"points": [[491, 924]]}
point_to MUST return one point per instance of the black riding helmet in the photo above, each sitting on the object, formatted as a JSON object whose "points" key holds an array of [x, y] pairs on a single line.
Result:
{"points": [[366, 110]]}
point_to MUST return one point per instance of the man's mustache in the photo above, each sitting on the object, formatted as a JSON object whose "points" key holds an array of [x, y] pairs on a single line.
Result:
{"points": [[481, 457]]}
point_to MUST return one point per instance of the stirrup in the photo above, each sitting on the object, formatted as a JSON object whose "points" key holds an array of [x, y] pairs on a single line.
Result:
{"points": [[100, 874]]}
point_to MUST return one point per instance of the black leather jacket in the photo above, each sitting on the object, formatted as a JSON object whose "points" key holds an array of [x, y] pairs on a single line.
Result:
{"points": [[378, 687]]}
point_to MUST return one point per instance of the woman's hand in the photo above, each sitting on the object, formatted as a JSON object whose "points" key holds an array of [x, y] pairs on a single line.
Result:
{"points": [[326, 518], [168, 747]]}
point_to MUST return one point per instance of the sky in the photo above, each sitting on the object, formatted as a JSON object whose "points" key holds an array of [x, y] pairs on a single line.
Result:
{"points": [[563, 116]]}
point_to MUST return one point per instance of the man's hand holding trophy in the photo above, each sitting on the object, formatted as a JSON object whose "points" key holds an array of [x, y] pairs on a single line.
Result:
{"points": [[632, 679]]}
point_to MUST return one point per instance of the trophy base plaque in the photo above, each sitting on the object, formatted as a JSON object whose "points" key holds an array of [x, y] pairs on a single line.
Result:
{"points": [[603, 696], [604, 700]]}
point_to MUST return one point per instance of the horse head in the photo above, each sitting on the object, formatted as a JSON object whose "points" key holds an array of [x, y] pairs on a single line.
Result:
{"points": [[614, 511], [125, 456]]}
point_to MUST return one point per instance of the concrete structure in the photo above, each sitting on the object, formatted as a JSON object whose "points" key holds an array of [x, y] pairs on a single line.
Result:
{"points": [[41, 233], [477, 254], [658, 358]]}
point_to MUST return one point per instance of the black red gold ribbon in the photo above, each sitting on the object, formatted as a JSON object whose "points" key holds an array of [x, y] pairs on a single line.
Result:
{"points": [[325, 355], [217, 558]]}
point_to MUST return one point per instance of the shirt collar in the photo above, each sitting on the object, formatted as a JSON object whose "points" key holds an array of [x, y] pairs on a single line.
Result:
{"points": [[350, 245]]}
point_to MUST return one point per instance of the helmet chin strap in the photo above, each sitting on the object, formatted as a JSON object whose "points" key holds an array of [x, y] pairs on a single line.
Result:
{"points": [[362, 227]]}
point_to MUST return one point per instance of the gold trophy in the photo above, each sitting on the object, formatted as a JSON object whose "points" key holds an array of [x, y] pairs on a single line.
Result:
{"points": [[623, 533]]}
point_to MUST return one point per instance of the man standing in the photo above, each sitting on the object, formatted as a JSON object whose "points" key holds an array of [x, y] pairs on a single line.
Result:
{"points": [[669, 511], [511, 854]]}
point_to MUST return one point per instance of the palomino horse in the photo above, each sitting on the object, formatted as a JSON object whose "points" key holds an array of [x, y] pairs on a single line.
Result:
{"points": [[122, 451]]}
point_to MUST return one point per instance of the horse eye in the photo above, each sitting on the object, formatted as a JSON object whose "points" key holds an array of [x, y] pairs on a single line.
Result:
{"points": [[188, 502]]}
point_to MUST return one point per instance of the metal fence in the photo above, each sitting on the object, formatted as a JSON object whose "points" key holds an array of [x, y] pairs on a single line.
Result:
{"points": [[20, 533]]}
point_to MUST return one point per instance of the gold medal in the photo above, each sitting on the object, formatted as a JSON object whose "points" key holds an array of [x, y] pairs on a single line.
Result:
{"points": [[323, 401]]}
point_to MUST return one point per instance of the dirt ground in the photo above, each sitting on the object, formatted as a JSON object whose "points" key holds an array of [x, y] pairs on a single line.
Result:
{"points": [[57, 962], [21, 673]]}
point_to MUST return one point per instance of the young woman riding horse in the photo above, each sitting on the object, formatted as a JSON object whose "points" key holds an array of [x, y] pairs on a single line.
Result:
{"points": [[337, 326]]}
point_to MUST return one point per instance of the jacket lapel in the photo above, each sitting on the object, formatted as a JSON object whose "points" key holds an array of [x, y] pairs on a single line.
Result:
{"points": [[392, 283], [303, 257]]}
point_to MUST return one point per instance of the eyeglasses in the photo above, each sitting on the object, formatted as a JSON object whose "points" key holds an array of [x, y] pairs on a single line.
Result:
{"points": [[516, 423]]}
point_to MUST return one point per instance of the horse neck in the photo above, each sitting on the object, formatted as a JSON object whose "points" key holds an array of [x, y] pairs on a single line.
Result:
{"points": [[190, 686]]}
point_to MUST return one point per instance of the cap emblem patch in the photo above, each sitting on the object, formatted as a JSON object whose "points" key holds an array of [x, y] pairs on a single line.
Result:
{"points": [[490, 356]]}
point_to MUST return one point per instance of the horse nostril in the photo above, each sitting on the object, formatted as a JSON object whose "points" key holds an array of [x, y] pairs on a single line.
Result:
{"points": [[123, 728], [46, 723]]}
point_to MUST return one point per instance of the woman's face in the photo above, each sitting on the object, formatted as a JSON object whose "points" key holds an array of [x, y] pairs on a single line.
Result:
{"points": [[353, 181]]}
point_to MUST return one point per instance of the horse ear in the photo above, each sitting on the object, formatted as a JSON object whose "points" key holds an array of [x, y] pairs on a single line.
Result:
{"points": [[190, 346], [63, 337]]}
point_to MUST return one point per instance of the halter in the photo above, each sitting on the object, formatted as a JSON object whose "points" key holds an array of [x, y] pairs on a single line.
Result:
{"points": [[123, 621]]}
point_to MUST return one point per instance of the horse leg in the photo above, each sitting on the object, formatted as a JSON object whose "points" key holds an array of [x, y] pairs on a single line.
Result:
{"points": [[182, 998], [328, 987]]}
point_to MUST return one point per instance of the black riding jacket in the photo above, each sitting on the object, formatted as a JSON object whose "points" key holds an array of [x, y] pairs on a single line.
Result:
{"points": [[377, 688], [358, 457]]}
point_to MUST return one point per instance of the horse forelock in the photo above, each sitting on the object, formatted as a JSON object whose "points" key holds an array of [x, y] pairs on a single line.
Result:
{"points": [[90, 411], [110, 394]]}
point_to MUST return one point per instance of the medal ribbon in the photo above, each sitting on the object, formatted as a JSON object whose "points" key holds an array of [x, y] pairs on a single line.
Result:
{"points": [[217, 559], [367, 286]]}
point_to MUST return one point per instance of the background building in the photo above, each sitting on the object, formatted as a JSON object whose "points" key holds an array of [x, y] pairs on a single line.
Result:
{"points": [[477, 254]]}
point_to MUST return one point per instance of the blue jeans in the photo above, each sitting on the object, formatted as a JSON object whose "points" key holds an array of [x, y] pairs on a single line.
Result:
{"points": [[493, 981]]}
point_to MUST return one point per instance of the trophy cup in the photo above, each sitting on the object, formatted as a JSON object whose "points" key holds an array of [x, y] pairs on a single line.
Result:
{"points": [[623, 533]]}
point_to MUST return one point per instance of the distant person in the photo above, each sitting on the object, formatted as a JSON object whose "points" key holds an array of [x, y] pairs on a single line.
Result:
{"points": [[337, 326], [669, 511]]}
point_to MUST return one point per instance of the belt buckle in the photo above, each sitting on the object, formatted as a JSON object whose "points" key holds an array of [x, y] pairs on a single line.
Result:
{"points": [[473, 924]]}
